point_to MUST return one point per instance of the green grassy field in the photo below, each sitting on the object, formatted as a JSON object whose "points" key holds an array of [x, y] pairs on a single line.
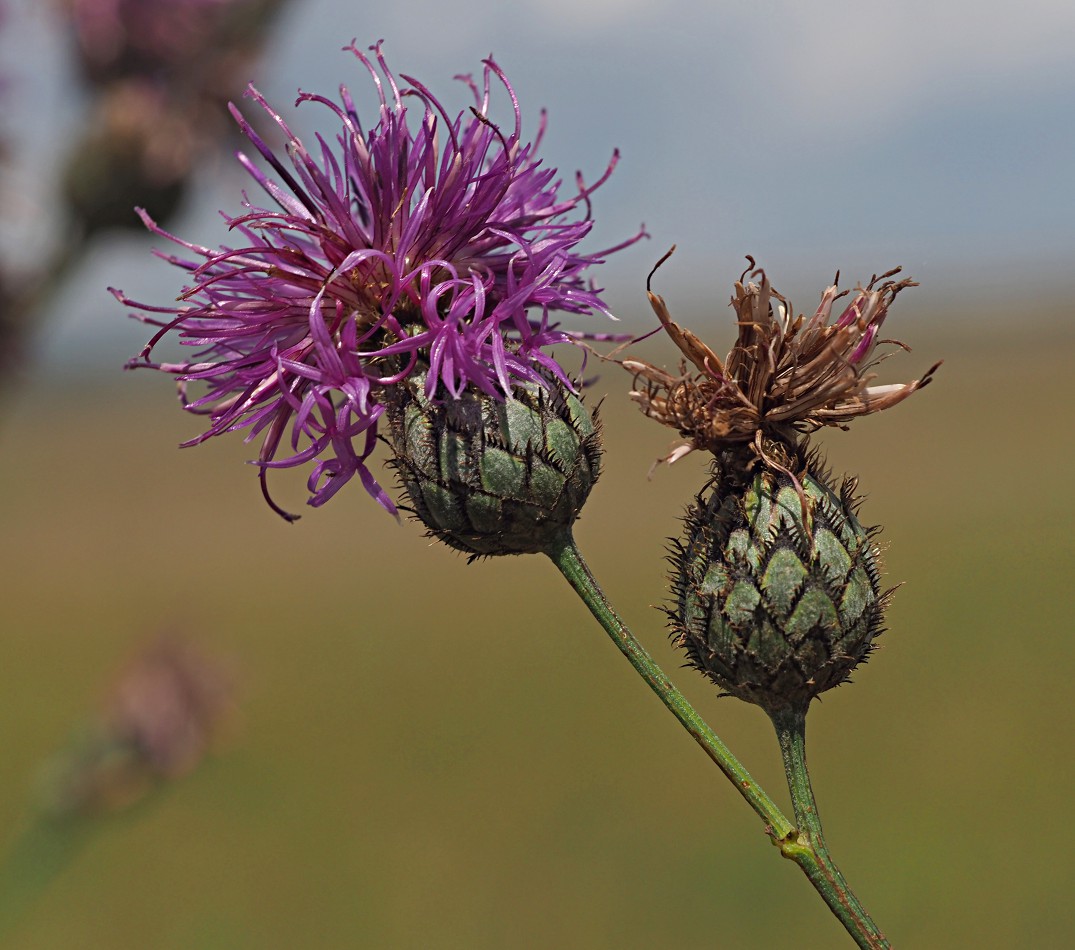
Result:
{"points": [[442, 755]]}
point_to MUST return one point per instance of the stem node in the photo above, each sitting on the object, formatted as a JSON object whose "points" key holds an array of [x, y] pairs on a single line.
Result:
{"points": [[804, 844]]}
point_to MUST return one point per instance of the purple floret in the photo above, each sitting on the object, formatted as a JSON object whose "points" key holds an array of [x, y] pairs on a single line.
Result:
{"points": [[446, 243]]}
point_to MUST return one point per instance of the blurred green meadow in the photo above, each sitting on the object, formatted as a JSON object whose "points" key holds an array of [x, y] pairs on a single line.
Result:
{"points": [[441, 755]]}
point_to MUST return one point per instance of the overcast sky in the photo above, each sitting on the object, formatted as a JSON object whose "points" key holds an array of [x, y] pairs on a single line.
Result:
{"points": [[937, 134]]}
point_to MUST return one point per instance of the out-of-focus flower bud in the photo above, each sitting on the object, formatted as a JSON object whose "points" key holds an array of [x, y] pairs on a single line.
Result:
{"points": [[165, 712]]}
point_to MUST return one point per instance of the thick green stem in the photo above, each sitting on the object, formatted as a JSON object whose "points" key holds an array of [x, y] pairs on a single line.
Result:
{"points": [[807, 848], [567, 557]]}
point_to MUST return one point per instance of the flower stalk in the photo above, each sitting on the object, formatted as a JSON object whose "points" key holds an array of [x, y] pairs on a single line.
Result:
{"points": [[776, 583], [569, 561], [801, 842], [807, 847]]}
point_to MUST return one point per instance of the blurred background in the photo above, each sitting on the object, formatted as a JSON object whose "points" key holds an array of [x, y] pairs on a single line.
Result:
{"points": [[431, 754]]}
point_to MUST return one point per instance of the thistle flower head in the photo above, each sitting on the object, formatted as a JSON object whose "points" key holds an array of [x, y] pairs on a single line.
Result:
{"points": [[161, 71], [138, 147], [421, 238], [776, 583], [785, 376], [775, 600]]}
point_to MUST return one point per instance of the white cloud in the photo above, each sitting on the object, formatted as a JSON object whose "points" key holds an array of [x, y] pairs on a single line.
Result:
{"points": [[569, 16], [835, 57]]}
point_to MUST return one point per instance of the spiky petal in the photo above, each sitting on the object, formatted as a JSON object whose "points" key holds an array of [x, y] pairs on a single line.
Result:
{"points": [[424, 238]]}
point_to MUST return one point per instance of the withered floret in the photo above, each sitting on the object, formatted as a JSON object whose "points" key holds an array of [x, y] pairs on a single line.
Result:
{"points": [[776, 583], [784, 377]]}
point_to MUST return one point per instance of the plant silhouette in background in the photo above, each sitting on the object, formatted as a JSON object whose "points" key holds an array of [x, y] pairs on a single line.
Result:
{"points": [[156, 76], [168, 709]]}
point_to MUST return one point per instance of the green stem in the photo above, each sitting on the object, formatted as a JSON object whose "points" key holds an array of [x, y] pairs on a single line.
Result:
{"points": [[43, 849], [807, 848], [568, 559], [804, 845], [50, 839]]}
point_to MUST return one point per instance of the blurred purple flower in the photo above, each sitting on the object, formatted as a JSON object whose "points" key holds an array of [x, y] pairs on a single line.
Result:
{"points": [[161, 71], [180, 38], [166, 711], [389, 248]]}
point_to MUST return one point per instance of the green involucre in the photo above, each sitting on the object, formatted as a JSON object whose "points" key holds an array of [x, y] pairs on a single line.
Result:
{"points": [[489, 476], [773, 608]]}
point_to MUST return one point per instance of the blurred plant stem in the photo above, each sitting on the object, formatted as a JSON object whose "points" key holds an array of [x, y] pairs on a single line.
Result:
{"points": [[27, 299], [803, 845], [39, 853], [163, 714], [48, 842]]}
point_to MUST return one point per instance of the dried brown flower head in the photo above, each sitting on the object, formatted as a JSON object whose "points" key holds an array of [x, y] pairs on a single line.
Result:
{"points": [[786, 375]]}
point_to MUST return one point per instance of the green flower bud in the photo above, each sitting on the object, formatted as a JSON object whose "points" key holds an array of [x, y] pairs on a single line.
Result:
{"points": [[492, 476], [776, 584]]}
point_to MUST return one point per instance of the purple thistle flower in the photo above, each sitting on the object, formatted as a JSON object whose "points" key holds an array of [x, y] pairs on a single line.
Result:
{"points": [[441, 240]]}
